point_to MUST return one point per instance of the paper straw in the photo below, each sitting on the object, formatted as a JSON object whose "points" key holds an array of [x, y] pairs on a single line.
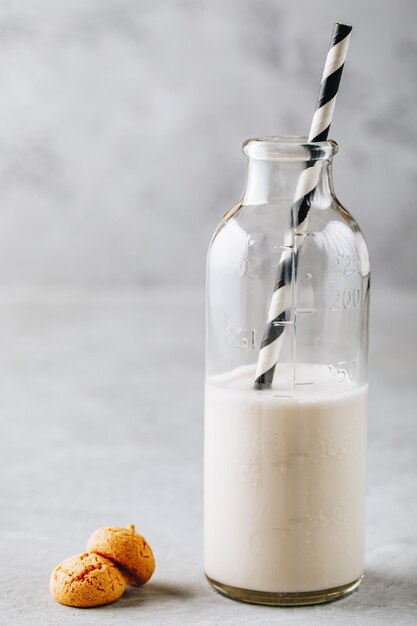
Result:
{"points": [[277, 314]]}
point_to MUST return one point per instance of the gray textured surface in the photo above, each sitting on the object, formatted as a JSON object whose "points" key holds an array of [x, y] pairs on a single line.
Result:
{"points": [[121, 123], [101, 423]]}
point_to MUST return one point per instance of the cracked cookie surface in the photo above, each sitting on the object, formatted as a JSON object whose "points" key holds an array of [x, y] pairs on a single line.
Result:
{"points": [[130, 551], [86, 580]]}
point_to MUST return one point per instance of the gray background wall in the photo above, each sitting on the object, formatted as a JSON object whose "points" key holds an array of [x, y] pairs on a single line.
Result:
{"points": [[121, 123]]}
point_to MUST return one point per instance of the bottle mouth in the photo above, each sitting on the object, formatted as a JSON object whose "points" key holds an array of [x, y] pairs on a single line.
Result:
{"points": [[289, 148]]}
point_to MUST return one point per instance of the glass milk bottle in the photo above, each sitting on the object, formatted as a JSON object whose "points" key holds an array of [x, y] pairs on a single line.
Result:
{"points": [[285, 464]]}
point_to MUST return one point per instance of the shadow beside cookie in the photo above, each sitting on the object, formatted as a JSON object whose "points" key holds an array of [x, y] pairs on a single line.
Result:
{"points": [[154, 593]]}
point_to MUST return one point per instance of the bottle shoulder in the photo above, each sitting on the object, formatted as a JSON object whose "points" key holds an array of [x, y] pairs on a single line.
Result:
{"points": [[359, 236], [330, 228], [232, 212]]}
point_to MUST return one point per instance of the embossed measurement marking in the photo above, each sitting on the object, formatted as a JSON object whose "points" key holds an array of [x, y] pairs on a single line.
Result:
{"points": [[342, 370], [284, 323], [280, 246], [345, 264], [278, 250], [240, 337], [345, 299]]}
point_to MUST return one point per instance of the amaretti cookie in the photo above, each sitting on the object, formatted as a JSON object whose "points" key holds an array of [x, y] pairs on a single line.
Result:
{"points": [[129, 550], [86, 580]]}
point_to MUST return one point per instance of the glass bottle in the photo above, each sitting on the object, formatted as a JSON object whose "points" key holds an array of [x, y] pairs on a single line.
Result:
{"points": [[285, 465]]}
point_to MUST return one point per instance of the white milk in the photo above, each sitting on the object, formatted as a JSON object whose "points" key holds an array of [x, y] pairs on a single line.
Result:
{"points": [[284, 484]]}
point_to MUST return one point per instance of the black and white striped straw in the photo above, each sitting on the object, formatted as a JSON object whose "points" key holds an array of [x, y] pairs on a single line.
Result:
{"points": [[277, 314]]}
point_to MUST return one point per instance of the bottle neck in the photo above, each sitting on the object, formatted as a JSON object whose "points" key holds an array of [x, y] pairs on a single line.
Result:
{"points": [[274, 181]]}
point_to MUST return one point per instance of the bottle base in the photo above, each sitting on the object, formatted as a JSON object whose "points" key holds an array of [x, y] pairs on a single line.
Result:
{"points": [[285, 599]]}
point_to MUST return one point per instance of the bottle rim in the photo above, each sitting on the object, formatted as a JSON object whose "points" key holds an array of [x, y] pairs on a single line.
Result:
{"points": [[289, 148]]}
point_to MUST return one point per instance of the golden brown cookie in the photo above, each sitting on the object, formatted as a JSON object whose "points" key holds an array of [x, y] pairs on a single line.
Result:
{"points": [[86, 580], [129, 550]]}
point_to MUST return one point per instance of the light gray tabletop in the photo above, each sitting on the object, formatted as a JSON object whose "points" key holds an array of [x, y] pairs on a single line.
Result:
{"points": [[101, 424]]}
